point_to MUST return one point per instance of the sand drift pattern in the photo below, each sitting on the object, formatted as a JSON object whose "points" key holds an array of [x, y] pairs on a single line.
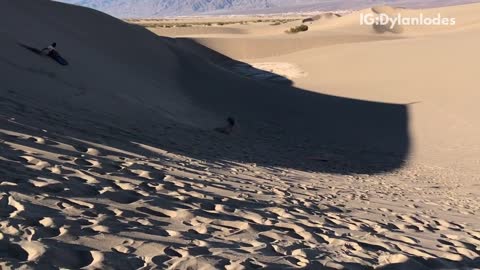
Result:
{"points": [[68, 203]]}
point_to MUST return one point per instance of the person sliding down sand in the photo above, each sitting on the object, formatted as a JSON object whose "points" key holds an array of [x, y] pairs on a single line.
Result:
{"points": [[228, 129], [50, 49]]}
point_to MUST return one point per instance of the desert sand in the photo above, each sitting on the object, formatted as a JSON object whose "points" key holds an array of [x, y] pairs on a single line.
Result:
{"points": [[353, 149]]}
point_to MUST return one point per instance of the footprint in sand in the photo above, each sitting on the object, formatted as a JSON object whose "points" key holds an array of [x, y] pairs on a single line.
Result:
{"points": [[68, 256], [80, 148], [123, 196], [13, 251], [79, 187], [48, 185], [12, 206], [124, 249], [35, 163], [6, 209], [84, 162]]}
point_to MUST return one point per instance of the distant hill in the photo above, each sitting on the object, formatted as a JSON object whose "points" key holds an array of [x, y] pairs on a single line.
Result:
{"points": [[153, 8], [142, 8]]}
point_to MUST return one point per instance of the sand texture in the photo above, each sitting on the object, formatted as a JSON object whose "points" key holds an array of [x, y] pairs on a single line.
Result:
{"points": [[351, 149]]}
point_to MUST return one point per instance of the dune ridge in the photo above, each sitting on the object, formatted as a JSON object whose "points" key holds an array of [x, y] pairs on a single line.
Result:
{"points": [[344, 58]]}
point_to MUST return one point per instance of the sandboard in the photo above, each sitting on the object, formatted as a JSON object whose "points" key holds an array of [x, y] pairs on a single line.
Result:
{"points": [[57, 57]]}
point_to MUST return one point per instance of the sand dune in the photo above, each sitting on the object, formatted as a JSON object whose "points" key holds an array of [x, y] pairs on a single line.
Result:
{"points": [[344, 58], [112, 162], [261, 41]]}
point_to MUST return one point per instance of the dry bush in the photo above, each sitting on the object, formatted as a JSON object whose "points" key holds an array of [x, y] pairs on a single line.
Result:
{"points": [[298, 29]]}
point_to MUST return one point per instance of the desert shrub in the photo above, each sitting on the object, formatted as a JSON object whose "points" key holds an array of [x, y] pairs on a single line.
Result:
{"points": [[298, 29], [307, 20]]}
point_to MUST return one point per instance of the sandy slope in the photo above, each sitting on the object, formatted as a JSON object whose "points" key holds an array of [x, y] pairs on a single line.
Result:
{"points": [[437, 103], [112, 162]]}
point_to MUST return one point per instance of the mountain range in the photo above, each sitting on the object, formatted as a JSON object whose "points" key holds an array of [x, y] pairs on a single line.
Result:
{"points": [[157, 8]]}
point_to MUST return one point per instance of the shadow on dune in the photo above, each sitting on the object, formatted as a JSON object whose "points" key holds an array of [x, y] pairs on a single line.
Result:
{"points": [[280, 125]]}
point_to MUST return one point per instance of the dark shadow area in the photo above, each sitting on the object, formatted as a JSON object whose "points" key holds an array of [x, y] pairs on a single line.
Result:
{"points": [[281, 125]]}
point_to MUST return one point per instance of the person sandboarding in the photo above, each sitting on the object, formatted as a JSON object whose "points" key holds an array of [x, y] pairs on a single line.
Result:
{"points": [[49, 51], [52, 52], [228, 129]]}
